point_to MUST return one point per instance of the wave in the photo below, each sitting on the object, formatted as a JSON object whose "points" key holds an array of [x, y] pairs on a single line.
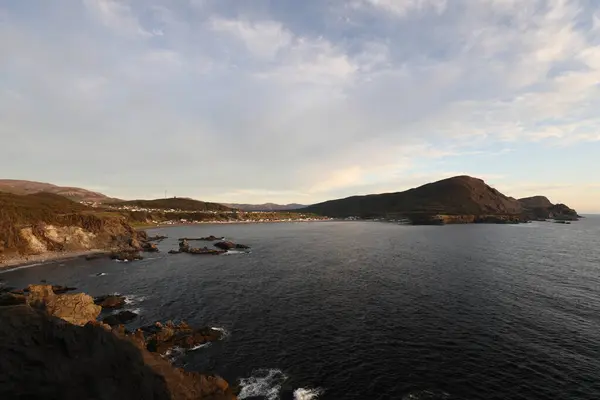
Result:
{"points": [[99, 274], [21, 267], [134, 299], [266, 383], [200, 346], [307, 394], [430, 394], [225, 333], [232, 252]]}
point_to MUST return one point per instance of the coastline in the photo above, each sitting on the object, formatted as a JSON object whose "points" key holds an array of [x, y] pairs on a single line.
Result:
{"points": [[155, 226], [47, 258]]}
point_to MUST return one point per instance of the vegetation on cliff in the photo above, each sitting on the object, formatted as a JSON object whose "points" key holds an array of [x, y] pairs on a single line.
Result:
{"points": [[41, 222]]}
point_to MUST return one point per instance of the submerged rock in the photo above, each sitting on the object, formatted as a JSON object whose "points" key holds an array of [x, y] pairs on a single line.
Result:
{"points": [[241, 246], [174, 251], [110, 301], [124, 317], [77, 309]]}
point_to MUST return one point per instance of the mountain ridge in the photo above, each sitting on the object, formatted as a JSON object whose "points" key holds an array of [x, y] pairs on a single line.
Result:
{"points": [[25, 187], [457, 199]]}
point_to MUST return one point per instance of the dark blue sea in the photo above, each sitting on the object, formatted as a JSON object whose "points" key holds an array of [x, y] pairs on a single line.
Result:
{"points": [[368, 310]]}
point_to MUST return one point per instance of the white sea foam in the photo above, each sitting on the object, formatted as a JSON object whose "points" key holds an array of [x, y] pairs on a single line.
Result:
{"points": [[232, 252], [265, 383], [99, 274], [200, 346], [174, 353], [307, 394], [134, 299], [223, 331]]}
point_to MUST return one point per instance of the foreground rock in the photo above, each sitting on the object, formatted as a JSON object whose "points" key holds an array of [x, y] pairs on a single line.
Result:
{"points": [[122, 318], [78, 308], [46, 358], [159, 338], [10, 299], [111, 301]]}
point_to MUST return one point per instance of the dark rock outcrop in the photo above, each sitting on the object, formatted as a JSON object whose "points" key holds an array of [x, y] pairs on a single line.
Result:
{"points": [[78, 308], [46, 358], [225, 245], [161, 338], [157, 238], [205, 251], [150, 247], [124, 317], [111, 301], [184, 246], [10, 299]]}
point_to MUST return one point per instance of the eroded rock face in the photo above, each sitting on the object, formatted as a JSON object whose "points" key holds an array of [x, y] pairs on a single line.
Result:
{"points": [[64, 361], [78, 308]]}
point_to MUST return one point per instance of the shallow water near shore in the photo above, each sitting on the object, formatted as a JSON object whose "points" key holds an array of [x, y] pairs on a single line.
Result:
{"points": [[365, 310]]}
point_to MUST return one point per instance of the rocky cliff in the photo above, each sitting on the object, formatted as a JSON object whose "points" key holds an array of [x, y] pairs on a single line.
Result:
{"points": [[44, 357], [44, 223]]}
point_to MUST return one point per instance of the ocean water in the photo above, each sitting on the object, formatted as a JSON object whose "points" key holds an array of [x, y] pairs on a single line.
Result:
{"points": [[367, 310]]}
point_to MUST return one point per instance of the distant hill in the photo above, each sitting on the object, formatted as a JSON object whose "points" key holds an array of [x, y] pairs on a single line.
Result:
{"points": [[21, 187], [539, 207], [460, 195], [266, 207], [175, 203], [535, 202]]}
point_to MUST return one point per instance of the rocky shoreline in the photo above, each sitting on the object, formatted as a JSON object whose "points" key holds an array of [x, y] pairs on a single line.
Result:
{"points": [[41, 329]]}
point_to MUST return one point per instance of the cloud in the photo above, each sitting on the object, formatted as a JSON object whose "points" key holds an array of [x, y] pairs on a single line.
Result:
{"points": [[402, 7], [217, 99], [263, 39], [117, 16]]}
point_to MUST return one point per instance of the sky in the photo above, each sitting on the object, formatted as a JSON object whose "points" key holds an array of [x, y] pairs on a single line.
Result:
{"points": [[251, 101]]}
